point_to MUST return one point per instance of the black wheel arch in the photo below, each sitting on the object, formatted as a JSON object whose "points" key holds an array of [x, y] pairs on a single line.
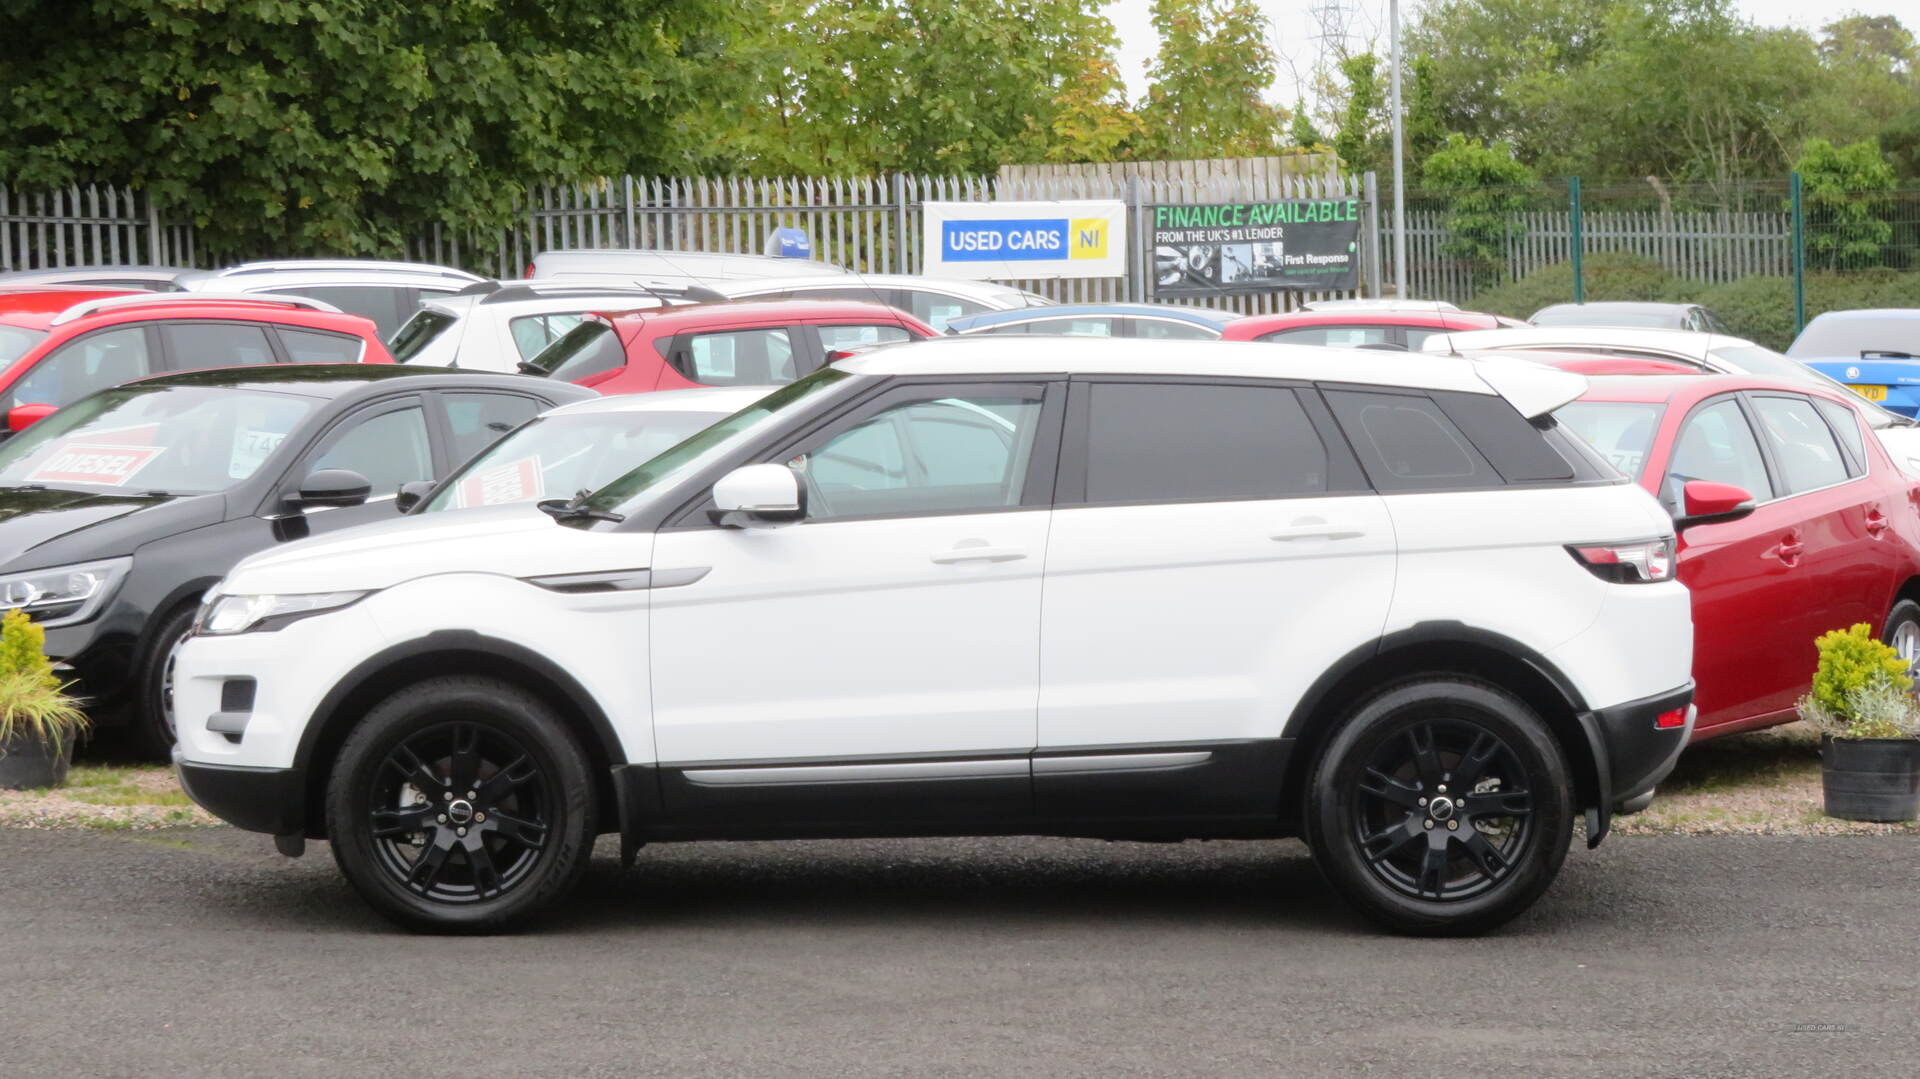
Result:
{"points": [[1442, 648], [452, 652]]}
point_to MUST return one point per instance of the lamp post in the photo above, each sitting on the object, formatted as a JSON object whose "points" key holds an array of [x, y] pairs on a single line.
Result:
{"points": [[1399, 174]]}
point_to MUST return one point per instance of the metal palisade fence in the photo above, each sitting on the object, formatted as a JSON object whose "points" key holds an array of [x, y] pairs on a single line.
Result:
{"points": [[95, 225]]}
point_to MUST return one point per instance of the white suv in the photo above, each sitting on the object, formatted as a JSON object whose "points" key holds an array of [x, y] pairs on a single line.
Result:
{"points": [[1122, 589]]}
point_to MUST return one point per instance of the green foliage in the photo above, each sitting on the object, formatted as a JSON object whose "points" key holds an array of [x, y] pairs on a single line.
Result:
{"points": [[1091, 121], [32, 703], [1424, 130], [1487, 189], [1861, 689], [1301, 131], [1844, 190], [1205, 96], [1609, 275], [1359, 142]]}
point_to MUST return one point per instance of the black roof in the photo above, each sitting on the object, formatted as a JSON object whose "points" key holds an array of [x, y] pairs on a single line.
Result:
{"points": [[335, 379]]}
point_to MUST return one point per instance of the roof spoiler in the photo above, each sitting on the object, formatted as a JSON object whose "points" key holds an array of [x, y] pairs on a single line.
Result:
{"points": [[1532, 389]]}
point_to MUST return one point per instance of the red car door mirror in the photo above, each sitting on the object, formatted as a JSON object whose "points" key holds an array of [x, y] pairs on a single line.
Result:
{"points": [[21, 417], [1706, 502]]}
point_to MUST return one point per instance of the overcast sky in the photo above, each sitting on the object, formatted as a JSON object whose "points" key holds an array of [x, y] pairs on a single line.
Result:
{"points": [[1294, 27]]}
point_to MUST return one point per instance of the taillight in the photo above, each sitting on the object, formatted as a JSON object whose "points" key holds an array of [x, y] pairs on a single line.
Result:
{"points": [[1668, 720], [529, 270], [1628, 563]]}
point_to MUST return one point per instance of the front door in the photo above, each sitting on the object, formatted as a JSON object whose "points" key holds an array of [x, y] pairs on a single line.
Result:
{"points": [[387, 442], [875, 665]]}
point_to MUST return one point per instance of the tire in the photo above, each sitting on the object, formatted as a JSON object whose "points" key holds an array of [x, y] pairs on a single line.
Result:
{"points": [[151, 716], [1903, 631], [395, 813], [1376, 813]]}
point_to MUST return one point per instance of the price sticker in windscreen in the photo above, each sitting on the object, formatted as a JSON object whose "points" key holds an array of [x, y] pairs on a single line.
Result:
{"points": [[515, 481], [109, 458]]}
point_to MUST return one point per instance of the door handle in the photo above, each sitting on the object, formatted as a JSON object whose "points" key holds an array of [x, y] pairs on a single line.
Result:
{"points": [[1877, 522], [1315, 528], [1788, 551], [978, 551]]}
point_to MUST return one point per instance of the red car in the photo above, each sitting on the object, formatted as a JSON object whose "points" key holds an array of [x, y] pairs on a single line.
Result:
{"points": [[57, 346], [1360, 327], [1792, 521], [718, 344]]}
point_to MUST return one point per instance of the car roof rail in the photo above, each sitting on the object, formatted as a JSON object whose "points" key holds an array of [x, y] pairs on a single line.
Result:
{"points": [[355, 265], [151, 299], [534, 290]]}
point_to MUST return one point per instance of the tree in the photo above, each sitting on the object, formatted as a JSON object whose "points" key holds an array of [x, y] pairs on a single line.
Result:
{"points": [[1204, 97], [342, 128], [1359, 142], [1091, 121], [1845, 189], [1301, 130], [1485, 189], [1423, 130]]}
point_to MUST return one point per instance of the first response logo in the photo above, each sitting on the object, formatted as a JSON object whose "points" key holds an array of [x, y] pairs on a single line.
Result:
{"points": [[1024, 240]]}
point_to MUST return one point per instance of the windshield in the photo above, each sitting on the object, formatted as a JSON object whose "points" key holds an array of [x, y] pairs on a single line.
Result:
{"points": [[1621, 430], [1764, 361], [695, 451], [587, 349], [1852, 337], [420, 331], [1578, 315], [16, 340], [180, 439], [555, 456]]}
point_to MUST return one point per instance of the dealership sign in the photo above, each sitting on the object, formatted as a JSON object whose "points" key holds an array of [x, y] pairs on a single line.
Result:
{"points": [[1025, 240], [1256, 246]]}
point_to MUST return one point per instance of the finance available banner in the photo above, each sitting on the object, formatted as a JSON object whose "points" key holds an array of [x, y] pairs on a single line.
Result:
{"points": [[1010, 241], [1202, 250]]}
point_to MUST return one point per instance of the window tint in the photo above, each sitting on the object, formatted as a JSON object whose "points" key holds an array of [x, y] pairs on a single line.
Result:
{"points": [[478, 420], [420, 331], [1802, 443], [312, 346], [531, 333], [833, 337], [1514, 447], [943, 455], [590, 348], [1847, 422], [389, 449], [1407, 443], [1164, 330], [1334, 336], [80, 367], [737, 358], [195, 345], [1167, 443], [937, 309], [1716, 444], [387, 305]]}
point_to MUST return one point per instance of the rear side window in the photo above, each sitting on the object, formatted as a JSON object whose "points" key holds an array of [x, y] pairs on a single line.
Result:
{"points": [[419, 332], [1160, 329], [837, 337], [531, 333], [1513, 446], [1334, 336], [1407, 443], [312, 346], [737, 357], [387, 305], [1808, 455], [478, 420], [1847, 424], [196, 345], [937, 309], [590, 348], [1187, 442]]}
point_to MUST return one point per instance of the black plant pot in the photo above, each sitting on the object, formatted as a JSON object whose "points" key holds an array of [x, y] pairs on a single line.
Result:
{"points": [[1876, 779], [27, 763]]}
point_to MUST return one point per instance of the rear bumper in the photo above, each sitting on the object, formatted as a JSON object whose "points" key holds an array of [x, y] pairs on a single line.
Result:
{"points": [[1640, 754], [271, 800]]}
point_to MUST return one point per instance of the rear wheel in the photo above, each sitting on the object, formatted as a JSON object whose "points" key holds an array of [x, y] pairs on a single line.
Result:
{"points": [[461, 805], [1441, 807]]}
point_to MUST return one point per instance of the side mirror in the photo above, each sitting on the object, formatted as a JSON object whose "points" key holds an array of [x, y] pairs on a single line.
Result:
{"points": [[411, 494], [21, 417], [332, 488], [1703, 502], [758, 495]]}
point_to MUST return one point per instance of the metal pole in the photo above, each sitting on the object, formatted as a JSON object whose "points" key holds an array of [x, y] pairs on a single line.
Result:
{"points": [[1370, 190], [1399, 173], [1799, 260], [1574, 243]]}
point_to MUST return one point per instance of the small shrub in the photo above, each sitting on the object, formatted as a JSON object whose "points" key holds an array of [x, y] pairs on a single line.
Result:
{"points": [[1861, 688], [1609, 275], [33, 703]]}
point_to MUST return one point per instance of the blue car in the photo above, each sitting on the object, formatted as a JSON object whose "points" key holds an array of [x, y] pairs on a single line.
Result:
{"points": [[1163, 321], [1876, 353]]}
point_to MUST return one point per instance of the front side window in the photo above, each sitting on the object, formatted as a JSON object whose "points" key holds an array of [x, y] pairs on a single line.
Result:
{"points": [[1802, 443], [1716, 444], [1172, 443], [737, 357], [1408, 444], [389, 448], [589, 349], [84, 366], [478, 420], [181, 439], [950, 454]]}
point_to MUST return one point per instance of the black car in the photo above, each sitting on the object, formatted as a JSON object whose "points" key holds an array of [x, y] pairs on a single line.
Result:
{"points": [[118, 512]]}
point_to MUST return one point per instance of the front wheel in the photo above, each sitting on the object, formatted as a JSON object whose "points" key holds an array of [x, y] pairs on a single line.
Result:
{"points": [[1441, 807], [1903, 632], [461, 804], [153, 720]]}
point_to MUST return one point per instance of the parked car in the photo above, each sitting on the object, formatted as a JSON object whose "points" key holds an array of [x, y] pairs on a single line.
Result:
{"points": [[616, 266], [1791, 522], [1871, 351], [118, 512], [1359, 324], [496, 327], [1706, 353], [145, 278], [935, 301], [579, 447], [742, 343], [1646, 316], [1155, 320], [386, 292], [78, 342], [1385, 603]]}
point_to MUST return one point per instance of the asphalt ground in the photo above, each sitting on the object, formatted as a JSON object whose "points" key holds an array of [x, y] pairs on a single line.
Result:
{"points": [[200, 952]]}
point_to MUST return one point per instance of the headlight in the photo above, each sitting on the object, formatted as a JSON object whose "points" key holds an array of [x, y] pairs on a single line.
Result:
{"points": [[63, 594], [222, 615]]}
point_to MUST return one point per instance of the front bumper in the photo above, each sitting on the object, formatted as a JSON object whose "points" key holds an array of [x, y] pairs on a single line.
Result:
{"points": [[271, 800], [1639, 754]]}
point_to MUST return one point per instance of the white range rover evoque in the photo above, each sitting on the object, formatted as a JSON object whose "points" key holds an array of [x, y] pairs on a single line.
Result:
{"points": [[1122, 589]]}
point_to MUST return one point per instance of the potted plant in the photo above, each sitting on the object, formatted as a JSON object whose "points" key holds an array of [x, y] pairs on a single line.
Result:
{"points": [[38, 721], [1863, 706]]}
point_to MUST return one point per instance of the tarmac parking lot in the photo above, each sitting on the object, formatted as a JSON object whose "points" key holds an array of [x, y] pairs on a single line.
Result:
{"points": [[200, 951]]}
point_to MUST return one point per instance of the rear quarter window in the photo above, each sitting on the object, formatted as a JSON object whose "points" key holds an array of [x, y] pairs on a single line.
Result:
{"points": [[1407, 443]]}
